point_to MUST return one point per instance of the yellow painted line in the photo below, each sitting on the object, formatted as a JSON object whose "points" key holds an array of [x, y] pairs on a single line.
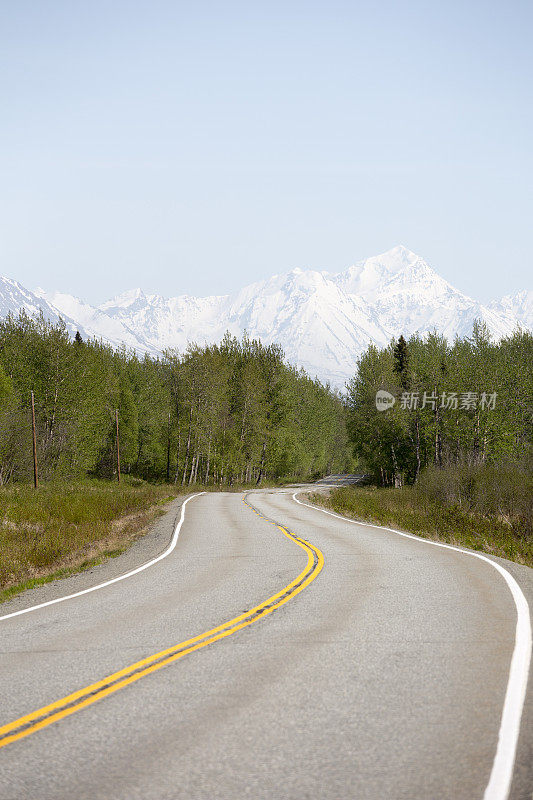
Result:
{"points": [[42, 717]]}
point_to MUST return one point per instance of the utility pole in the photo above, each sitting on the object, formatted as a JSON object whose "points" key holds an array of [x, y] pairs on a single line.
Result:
{"points": [[118, 446], [35, 477], [168, 449]]}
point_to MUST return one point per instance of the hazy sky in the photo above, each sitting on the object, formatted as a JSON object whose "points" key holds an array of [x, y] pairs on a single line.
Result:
{"points": [[193, 147]]}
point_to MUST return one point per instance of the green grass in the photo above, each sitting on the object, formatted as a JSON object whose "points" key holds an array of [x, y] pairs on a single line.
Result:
{"points": [[61, 528], [410, 510]]}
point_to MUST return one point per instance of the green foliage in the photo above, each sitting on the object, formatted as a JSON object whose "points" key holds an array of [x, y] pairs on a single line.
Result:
{"points": [[502, 492], [244, 415], [6, 388], [470, 467], [401, 361], [397, 444], [220, 414]]}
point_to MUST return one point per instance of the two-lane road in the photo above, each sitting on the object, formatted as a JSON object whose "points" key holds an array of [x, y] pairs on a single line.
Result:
{"points": [[280, 654]]}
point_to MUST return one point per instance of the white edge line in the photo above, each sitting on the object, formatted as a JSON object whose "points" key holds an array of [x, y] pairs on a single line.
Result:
{"points": [[167, 552], [501, 775]]}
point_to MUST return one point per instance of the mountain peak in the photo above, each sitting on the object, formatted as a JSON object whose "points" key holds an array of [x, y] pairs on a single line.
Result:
{"points": [[370, 276], [395, 259], [519, 305], [323, 321], [399, 252], [127, 299]]}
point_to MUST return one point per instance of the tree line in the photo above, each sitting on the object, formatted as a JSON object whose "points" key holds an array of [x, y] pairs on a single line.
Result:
{"points": [[234, 412], [466, 402]]}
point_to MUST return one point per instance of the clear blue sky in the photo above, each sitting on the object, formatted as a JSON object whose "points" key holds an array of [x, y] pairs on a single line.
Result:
{"points": [[193, 147]]}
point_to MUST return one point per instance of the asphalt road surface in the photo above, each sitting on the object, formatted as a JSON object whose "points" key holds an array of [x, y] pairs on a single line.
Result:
{"points": [[313, 658]]}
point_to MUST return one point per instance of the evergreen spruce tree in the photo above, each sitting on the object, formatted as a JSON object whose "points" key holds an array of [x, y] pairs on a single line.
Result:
{"points": [[401, 361]]}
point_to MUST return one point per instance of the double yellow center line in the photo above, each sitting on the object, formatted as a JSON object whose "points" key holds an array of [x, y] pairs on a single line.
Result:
{"points": [[24, 726]]}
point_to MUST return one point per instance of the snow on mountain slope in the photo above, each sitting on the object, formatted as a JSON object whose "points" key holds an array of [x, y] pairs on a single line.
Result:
{"points": [[173, 322], [408, 296], [323, 321], [14, 297], [77, 315], [368, 277], [320, 327], [518, 306], [91, 322]]}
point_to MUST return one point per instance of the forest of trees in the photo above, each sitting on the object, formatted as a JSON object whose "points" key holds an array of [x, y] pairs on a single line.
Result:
{"points": [[220, 414], [469, 402], [237, 413]]}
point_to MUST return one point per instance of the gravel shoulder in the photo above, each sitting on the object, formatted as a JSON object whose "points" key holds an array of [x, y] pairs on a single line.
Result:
{"points": [[145, 548]]}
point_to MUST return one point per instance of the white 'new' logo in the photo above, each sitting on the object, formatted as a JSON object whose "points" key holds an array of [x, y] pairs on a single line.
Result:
{"points": [[384, 400]]}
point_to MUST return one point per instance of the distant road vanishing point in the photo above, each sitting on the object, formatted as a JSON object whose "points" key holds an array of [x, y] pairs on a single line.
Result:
{"points": [[255, 646]]}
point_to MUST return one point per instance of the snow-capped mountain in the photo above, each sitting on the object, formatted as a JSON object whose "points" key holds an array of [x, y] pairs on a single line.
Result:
{"points": [[322, 320], [408, 296], [518, 306], [14, 298], [92, 322]]}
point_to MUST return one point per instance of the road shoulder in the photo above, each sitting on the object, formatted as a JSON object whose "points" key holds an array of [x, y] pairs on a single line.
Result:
{"points": [[143, 549]]}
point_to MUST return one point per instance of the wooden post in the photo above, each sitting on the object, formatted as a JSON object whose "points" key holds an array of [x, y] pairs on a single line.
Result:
{"points": [[118, 446], [35, 477], [168, 449]]}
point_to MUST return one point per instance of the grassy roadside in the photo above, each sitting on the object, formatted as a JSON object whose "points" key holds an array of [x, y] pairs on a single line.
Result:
{"points": [[407, 510], [63, 528]]}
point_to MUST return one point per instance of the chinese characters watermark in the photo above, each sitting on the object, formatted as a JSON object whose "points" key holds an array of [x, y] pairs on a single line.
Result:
{"points": [[452, 401]]}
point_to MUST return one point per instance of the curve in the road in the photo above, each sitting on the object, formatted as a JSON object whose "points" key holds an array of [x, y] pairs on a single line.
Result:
{"points": [[42, 717], [502, 769], [129, 574]]}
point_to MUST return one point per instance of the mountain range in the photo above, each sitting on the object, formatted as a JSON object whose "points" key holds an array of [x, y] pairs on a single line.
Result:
{"points": [[323, 320]]}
